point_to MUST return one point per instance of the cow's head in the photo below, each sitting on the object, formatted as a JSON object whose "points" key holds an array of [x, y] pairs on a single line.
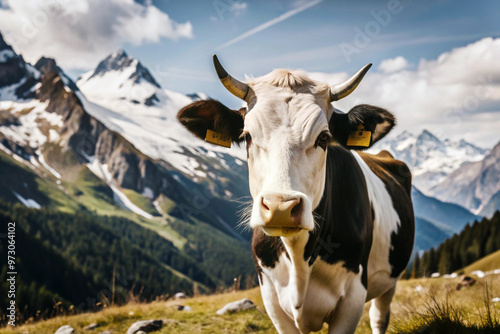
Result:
{"points": [[288, 124]]}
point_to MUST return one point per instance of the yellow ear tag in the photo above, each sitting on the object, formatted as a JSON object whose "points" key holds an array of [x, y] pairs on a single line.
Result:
{"points": [[359, 137], [218, 138]]}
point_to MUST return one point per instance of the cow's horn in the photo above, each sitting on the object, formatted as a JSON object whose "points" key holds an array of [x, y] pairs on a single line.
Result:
{"points": [[339, 91], [235, 87]]}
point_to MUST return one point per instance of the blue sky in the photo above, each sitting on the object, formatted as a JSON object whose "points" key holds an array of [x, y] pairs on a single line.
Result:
{"points": [[176, 39], [311, 39]]}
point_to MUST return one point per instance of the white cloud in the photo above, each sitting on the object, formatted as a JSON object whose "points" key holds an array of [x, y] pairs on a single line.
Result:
{"points": [[456, 95], [393, 65], [78, 33]]}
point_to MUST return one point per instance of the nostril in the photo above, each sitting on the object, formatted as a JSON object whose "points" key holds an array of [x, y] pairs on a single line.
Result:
{"points": [[263, 205], [296, 212]]}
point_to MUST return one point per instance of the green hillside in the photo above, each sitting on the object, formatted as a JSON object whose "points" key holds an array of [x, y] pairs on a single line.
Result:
{"points": [[473, 243], [487, 263], [68, 257]]}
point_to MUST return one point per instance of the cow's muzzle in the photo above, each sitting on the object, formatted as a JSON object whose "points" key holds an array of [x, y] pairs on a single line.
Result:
{"points": [[281, 214]]}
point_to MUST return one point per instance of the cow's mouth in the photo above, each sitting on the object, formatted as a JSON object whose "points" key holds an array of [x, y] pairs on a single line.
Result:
{"points": [[281, 231]]}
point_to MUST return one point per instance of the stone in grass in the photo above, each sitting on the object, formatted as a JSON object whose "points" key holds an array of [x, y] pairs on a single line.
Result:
{"points": [[240, 305], [179, 295], [146, 326], [91, 327], [66, 329], [183, 308]]}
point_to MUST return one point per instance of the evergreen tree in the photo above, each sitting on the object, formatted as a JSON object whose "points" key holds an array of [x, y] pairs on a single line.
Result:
{"points": [[474, 242], [415, 267]]}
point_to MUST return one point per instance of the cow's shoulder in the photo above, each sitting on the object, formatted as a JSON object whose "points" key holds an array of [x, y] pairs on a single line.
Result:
{"points": [[389, 170], [396, 177]]}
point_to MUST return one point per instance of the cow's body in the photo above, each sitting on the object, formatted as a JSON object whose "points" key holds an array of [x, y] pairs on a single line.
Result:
{"points": [[333, 227], [353, 256]]}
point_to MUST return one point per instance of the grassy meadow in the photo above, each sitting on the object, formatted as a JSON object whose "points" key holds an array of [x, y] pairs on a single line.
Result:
{"points": [[417, 303]]}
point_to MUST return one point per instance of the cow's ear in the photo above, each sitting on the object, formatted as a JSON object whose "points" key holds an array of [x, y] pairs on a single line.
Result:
{"points": [[351, 129], [200, 116]]}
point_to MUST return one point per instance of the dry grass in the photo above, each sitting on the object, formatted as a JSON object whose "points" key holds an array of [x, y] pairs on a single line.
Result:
{"points": [[489, 262], [410, 310]]}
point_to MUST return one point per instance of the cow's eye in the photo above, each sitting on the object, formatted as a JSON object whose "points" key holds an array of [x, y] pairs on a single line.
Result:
{"points": [[323, 140], [248, 138]]}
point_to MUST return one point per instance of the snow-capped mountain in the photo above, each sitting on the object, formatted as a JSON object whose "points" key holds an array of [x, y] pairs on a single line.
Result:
{"points": [[430, 158], [126, 97], [475, 185], [48, 124], [55, 155]]}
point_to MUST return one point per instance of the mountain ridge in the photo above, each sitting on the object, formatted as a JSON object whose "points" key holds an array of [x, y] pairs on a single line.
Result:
{"points": [[474, 184], [68, 159], [430, 159]]}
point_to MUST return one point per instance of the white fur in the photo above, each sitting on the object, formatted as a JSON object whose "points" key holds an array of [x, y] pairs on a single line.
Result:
{"points": [[326, 286], [285, 119], [386, 222]]}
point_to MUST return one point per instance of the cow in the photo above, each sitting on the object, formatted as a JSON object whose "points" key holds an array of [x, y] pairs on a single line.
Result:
{"points": [[333, 226]]}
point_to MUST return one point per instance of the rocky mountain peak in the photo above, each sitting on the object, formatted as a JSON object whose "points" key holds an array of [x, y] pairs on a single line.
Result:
{"points": [[474, 184], [47, 66], [429, 157], [427, 136], [13, 68], [121, 61]]}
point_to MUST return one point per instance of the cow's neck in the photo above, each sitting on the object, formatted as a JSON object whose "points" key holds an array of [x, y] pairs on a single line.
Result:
{"points": [[299, 270], [344, 219]]}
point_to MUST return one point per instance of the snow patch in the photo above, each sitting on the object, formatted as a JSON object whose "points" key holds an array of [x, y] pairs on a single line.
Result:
{"points": [[34, 161], [47, 167], [148, 193], [53, 136], [158, 207], [6, 55], [28, 132], [28, 202], [102, 172], [123, 201]]}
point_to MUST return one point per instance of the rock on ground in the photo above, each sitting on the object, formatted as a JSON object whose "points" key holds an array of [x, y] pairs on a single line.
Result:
{"points": [[240, 305], [91, 327], [66, 329], [183, 308], [146, 326], [179, 295]]}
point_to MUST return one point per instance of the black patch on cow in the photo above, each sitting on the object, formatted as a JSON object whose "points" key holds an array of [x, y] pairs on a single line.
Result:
{"points": [[397, 179], [267, 249], [344, 216]]}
